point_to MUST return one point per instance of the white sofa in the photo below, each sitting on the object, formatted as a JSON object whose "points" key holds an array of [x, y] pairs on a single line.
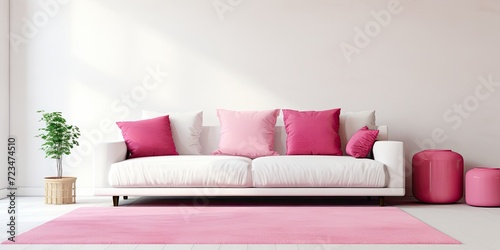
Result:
{"points": [[210, 175]]}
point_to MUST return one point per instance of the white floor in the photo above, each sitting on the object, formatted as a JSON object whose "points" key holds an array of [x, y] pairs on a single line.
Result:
{"points": [[477, 228]]}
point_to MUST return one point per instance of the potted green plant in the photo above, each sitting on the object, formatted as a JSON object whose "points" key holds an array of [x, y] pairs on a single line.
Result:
{"points": [[59, 138]]}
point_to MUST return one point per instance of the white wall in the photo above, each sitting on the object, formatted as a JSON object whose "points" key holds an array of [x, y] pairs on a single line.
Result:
{"points": [[4, 90], [420, 61]]}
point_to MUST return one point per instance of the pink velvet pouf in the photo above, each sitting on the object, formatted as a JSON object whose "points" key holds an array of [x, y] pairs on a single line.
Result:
{"points": [[437, 176], [482, 187]]}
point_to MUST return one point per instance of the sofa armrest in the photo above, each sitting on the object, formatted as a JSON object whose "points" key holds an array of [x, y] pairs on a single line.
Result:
{"points": [[391, 154], [105, 154]]}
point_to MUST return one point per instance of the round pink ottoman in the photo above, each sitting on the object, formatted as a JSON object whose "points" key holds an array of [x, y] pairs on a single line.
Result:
{"points": [[438, 176], [482, 187]]}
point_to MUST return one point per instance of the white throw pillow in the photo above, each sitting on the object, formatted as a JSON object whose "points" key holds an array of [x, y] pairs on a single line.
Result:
{"points": [[186, 130], [351, 122]]}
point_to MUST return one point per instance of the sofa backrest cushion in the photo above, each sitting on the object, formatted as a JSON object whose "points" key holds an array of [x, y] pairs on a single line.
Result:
{"points": [[186, 129], [350, 123]]}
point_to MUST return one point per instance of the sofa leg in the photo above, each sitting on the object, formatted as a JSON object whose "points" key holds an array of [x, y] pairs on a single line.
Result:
{"points": [[381, 200], [125, 197], [115, 200]]}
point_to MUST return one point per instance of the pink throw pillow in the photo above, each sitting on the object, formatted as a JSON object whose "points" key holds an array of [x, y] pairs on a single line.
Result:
{"points": [[312, 132], [361, 142], [247, 133], [150, 137]]}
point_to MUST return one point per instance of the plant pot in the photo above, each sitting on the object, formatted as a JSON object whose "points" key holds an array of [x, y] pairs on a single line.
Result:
{"points": [[60, 190]]}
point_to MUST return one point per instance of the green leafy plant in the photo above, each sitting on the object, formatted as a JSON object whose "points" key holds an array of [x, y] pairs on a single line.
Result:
{"points": [[59, 137]]}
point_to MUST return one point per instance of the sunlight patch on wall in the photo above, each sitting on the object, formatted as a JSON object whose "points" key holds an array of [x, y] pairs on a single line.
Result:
{"points": [[98, 36], [86, 102], [122, 50]]}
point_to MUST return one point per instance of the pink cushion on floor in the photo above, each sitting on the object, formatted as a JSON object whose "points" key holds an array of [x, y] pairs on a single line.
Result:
{"points": [[312, 132], [483, 187]]}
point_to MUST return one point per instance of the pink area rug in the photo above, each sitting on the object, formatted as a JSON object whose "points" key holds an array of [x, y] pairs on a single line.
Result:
{"points": [[235, 225]]}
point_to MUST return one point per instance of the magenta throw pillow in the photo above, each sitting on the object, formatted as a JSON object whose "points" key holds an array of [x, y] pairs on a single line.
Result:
{"points": [[312, 132], [361, 142], [150, 137], [247, 133]]}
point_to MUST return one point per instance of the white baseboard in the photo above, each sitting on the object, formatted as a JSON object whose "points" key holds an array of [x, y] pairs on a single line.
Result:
{"points": [[26, 191]]}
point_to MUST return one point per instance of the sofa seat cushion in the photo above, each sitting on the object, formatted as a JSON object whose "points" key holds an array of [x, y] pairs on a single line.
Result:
{"points": [[317, 171], [182, 171]]}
